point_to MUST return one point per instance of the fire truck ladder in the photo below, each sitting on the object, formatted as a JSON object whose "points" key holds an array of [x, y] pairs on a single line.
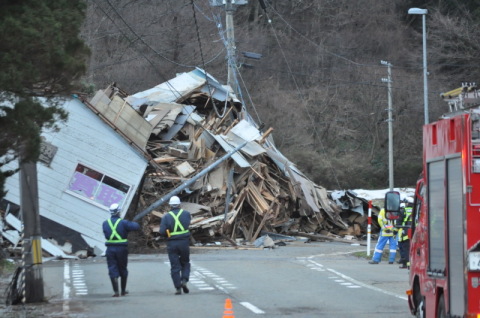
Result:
{"points": [[466, 96]]}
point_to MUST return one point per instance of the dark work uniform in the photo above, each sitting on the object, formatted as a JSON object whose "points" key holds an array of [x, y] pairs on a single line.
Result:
{"points": [[117, 250], [178, 244], [404, 240]]}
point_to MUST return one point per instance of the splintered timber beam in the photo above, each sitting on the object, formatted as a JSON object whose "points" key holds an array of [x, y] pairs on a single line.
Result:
{"points": [[187, 183]]}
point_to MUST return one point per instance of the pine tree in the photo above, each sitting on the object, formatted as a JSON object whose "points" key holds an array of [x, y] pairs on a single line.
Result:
{"points": [[41, 56]]}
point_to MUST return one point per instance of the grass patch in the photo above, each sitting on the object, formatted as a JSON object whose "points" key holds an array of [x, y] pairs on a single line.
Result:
{"points": [[6, 267], [362, 255], [384, 255]]}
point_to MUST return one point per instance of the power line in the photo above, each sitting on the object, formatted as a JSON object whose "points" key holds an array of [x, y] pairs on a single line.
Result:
{"points": [[249, 96], [306, 108], [351, 61], [141, 57], [373, 83], [141, 39], [149, 61], [315, 44], [230, 61], [172, 88], [203, 62]]}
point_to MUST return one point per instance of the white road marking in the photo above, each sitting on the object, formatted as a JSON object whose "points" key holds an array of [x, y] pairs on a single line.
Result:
{"points": [[199, 275], [334, 254], [319, 267], [356, 282], [219, 282], [66, 286], [79, 281], [221, 288], [252, 308]]}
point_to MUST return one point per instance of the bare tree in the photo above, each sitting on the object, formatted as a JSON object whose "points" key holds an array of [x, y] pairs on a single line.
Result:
{"points": [[318, 81]]}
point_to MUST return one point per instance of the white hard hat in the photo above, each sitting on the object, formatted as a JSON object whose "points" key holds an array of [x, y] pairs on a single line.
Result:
{"points": [[402, 205], [174, 200], [114, 209]]}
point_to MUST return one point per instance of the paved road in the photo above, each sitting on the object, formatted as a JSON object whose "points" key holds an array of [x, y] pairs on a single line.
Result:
{"points": [[298, 280]]}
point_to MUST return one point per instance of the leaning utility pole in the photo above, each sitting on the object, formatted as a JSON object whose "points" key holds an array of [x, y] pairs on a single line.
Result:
{"points": [[32, 274], [388, 80], [230, 7]]}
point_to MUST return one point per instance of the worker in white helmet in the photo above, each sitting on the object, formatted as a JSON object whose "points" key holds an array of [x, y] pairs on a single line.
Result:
{"points": [[116, 231], [174, 226], [388, 233]]}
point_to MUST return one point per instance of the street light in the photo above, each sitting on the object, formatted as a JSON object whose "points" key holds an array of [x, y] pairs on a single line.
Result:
{"points": [[423, 13]]}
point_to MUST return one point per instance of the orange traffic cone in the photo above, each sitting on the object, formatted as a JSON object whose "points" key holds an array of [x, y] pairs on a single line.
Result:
{"points": [[228, 312]]}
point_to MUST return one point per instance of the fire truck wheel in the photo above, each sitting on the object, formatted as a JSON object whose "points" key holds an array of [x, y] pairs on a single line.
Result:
{"points": [[421, 308], [418, 301], [441, 308]]}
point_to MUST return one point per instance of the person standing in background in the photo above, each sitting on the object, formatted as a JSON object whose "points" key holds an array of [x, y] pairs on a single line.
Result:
{"points": [[388, 234], [403, 239]]}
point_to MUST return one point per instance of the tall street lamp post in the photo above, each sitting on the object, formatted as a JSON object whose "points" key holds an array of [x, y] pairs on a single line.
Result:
{"points": [[423, 13]]}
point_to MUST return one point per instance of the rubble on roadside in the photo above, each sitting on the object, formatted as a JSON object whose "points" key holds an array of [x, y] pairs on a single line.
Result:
{"points": [[195, 120]]}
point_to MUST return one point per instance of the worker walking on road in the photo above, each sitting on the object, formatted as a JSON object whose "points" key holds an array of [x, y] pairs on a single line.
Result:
{"points": [[403, 239], [174, 226], [116, 231], [388, 234]]}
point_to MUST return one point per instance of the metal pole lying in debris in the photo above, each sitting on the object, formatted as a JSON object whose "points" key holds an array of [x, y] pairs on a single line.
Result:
{"points": [[188, 182]]}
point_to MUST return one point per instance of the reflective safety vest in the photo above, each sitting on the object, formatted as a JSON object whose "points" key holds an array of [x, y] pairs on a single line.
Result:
{"points": [[178, 227], [407, 220], [387, 225], [115, 237]]}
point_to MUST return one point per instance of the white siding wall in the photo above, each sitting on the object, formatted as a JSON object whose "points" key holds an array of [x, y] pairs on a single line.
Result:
{"points": [[85, 139]]}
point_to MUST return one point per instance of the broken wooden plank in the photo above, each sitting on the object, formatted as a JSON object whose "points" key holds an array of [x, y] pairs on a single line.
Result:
{"points": [[178, 153], [184, 169], [265, 135], [209, 220], [164, 159]]}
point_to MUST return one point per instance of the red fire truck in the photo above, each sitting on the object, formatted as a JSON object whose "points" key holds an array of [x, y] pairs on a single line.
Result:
{"points": [[444, 274]]}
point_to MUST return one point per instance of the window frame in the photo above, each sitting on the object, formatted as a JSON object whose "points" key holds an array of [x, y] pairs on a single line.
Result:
{"points": [[98, 191]]}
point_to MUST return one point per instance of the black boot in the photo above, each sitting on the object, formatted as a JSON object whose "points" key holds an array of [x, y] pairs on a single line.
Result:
{"points": [[115, 286], [184, 286], [123, 283]]}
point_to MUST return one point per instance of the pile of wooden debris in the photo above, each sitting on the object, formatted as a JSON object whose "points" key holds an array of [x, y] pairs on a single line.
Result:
{"points": [[194, 121]]}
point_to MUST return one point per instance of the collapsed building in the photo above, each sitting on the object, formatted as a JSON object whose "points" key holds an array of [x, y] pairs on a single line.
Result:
{"points": [[195, 120], [175, 131]]}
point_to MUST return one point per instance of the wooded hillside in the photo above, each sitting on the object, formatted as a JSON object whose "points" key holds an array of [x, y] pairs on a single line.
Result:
{"points": [[318, 81]]}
